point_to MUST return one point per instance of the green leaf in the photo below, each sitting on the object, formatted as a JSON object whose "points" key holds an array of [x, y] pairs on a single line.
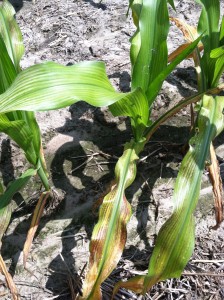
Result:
{"points": [[136, 6], [155, 85], [7, 69], [218, 55], [1, 188], [221, 37], [135, 106], [5, 207], [11, 34], [21, 133], [209, 23], [50, 86], [171, 2], [149, 47], [175, 241]]}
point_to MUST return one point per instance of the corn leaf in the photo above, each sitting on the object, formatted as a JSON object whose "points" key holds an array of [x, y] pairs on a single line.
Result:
{"points": [[136, 6], [175, 241], [136, 107], [21, 134], [216, 180], [149, 48], [9, 280], [34, 224], [155, 85], [171, 2], [218, 55], [5, 207], [109, 234], [7, 69], [209, 23], [221, 37], [190, 33], [11, 34], [50, 86]]}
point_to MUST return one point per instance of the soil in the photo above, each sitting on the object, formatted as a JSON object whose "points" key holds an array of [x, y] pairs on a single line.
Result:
{"points": [[82, 145]]}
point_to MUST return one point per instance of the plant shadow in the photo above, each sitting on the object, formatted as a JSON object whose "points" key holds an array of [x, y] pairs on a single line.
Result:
{"points": [[18, 4]]}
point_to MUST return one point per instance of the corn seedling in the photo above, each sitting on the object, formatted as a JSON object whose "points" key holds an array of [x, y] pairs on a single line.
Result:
{"points": [[209, 68], [50, 86]]}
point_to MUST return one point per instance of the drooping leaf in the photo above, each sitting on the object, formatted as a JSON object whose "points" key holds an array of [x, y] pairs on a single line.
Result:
{"points": [[109, 234], [175, 241], [50, 86], [11, 34], [149, 48]]}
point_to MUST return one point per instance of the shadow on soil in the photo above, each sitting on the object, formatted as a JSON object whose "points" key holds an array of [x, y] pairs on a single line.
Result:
{"points": [[97, 5], [98, 136], [79, 200], [18, 4]]}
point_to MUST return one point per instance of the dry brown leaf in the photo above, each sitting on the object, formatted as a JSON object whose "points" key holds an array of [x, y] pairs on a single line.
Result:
{"points": [[34, 224], [9, 280], [214, 174], [190, 34]]}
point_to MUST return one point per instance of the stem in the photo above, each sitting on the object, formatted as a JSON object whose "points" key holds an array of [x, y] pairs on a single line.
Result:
{"points": [[43, 178]]}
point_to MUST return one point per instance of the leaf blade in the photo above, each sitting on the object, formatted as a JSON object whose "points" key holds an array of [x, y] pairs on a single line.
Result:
{"points": [[109, 234], [174, 244], [50, 86], [11, 33]]}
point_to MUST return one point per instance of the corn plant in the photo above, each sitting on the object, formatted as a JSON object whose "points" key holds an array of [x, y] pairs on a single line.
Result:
{"points": [[50, 86], [209, 68]]}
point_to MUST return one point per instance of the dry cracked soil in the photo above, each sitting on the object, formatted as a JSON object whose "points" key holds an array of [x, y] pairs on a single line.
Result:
{"points": [[82, 144]]}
